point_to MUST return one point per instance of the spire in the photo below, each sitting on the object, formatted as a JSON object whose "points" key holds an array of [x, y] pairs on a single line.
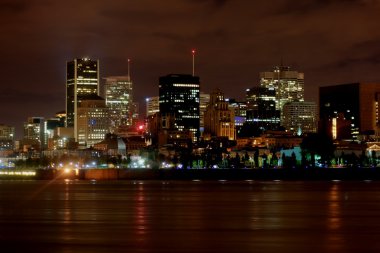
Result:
{"points": [[193, 53], [129, 76]]}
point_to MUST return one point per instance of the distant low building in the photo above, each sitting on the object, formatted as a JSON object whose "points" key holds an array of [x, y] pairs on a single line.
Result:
{"points": [[115, 145], [271, 139], [112, 145]]}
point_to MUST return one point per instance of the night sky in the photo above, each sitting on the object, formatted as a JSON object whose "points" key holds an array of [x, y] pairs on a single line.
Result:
{"points": [[331, 41]]}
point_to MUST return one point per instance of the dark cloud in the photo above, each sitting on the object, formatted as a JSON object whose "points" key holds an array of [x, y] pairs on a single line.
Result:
{"points": [[370, 45], [216, 3], [310, 6], [331, 41], [356, 61], [169, 36], [14, 6]]}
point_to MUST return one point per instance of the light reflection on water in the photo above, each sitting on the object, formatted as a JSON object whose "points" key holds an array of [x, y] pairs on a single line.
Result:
{"points": [[334, 215], [140, 211], [193, 216], [335, 240]]}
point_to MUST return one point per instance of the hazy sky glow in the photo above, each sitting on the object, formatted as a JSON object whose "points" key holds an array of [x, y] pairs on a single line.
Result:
{"points": [[331, 41]]}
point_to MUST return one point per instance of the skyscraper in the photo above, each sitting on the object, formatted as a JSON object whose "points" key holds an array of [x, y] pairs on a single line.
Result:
{"points": [[82, 80], [152, 106], [7, 135], [93, 121], [119, 100], [179, 95], [240, 110], [288, 84], [34, 131], [203, 102], [261, 108], [50, 125], [300, 117]]}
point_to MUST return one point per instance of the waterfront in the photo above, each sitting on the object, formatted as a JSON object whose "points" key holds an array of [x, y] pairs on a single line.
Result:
{"points": [[189, 216], [299, 174]]}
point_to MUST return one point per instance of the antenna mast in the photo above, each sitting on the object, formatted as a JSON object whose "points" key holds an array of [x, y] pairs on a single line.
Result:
{"points": [[129, 76], [193, 53]]}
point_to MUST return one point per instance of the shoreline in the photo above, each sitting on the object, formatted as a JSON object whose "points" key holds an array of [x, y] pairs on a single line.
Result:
{"points": [[291, 174]]}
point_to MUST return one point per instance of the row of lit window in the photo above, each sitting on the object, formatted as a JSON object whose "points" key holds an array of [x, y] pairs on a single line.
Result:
{"points": [[190, 117], [185, 85]]}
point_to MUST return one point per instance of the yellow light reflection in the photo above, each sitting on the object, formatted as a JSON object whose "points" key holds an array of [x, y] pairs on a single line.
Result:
{"points": [[334, 220], [334, 209]]}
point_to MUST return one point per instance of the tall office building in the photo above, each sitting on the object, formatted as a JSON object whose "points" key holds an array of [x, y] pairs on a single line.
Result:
{"points": [[219, 119], [356, 103], [152, 106], [261, 108], [135, 113], [300, 117], [240, 110], [7, 135], [93, 121], [179, 95], [34, 131], [288, 84], [7, 132], [50, 125], [203, 102], [82, 80], [239, 107], [119, 100]]}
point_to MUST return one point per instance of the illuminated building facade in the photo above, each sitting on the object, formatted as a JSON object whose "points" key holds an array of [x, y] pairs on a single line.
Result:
{"points": [[261, 108], [7, 132], [119, 100], [203, 102], [219, 119], [300, 117], [135, 113], [7, 135], [34, 133], [82, 80], [152, 106], [288, 85], [50, 125], [356, 103], [179, 95], [93, 121], [240, 110]]}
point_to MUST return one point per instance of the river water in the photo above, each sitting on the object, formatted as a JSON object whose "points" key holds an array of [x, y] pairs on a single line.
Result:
{"points": [[189, 216]]}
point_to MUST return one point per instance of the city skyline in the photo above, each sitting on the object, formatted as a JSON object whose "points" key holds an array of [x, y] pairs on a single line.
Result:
{"points": [[332, 42]]}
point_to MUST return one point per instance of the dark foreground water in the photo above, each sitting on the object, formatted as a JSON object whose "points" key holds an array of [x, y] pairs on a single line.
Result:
{"points": [[193, 216]]}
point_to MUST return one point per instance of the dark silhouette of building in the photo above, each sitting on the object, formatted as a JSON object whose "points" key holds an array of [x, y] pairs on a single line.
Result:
{"points": [[349, 108], [179, 96], [261, 108]]}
